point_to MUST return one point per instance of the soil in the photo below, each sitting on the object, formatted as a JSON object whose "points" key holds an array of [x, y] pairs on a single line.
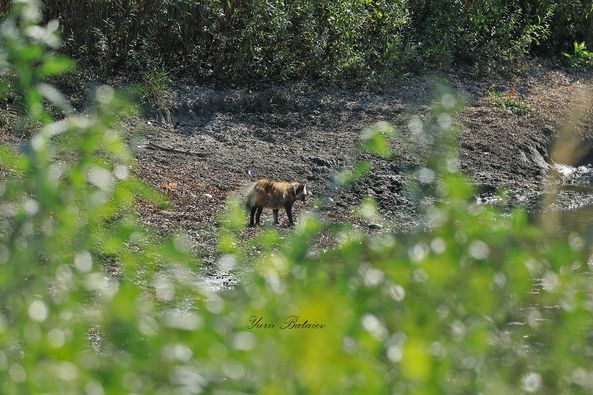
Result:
{"points": [[214, 142]]}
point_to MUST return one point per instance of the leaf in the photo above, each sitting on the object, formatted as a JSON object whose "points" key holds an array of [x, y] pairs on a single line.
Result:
{"points": [[9, 159], [55, 97], [30, 53], [512, 93], [56, 65], [375, 139], [347, 177], [147, 193]]}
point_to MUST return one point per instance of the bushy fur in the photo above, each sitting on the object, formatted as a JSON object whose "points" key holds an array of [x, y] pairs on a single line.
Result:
{"points": [[266, 193]]}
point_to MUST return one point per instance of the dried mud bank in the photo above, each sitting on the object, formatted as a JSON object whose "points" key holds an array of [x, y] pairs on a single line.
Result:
{"points": [[204, 148]]}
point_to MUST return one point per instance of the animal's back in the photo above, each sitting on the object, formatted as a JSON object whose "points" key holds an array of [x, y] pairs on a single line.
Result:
{"points": [[268, 193]]}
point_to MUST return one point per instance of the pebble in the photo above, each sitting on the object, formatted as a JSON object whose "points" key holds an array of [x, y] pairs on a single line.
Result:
{"points": [[207, 195], [375, 226]]}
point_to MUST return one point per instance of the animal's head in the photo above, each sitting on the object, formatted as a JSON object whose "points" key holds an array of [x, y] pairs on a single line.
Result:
{"points": [[300, 190]]}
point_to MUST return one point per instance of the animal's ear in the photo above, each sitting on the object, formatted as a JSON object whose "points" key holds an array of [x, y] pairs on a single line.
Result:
{"points": [[295, 189]]}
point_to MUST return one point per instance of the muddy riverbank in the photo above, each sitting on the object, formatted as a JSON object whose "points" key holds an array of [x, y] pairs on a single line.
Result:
{"points": [[213, 142]]}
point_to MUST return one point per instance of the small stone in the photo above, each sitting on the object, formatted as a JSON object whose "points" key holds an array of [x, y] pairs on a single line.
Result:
{"points": [[375, 226], [208, 196]]}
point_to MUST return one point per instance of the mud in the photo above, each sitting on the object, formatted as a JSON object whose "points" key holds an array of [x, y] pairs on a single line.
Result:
{"points": [[215, 142]]}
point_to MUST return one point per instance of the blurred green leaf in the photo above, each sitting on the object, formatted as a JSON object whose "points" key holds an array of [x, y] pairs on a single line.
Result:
{"points": [[56, 65], [376, 138], [347, 177]]}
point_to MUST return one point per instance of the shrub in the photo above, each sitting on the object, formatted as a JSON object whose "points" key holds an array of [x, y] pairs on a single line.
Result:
{"points": [[334, 41], [153, 90], [264, 39], [572, 21], [580, 57], [478, 32]]}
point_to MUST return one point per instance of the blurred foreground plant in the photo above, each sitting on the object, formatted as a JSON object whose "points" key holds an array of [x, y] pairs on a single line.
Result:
{"points": [[91, 303]]}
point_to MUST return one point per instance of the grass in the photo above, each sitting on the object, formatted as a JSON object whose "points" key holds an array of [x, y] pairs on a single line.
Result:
{"points": [[153, 91], [510, 101], [581, 57]]}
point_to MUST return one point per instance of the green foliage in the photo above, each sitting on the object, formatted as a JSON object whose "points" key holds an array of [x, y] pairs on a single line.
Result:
{"points": [[333, 41], [509, 101], [482, 32], [376, 139], [572, 20], [235, 40], [92, 303], [580, 57], [153, 90]]}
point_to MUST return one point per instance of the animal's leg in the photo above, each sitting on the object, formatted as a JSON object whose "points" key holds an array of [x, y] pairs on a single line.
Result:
{"points": [[258, 214], [275, 216], [251, 216], [289, 213]]}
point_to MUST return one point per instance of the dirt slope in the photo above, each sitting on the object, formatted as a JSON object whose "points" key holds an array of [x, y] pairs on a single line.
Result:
{"points": [[204, 148]]}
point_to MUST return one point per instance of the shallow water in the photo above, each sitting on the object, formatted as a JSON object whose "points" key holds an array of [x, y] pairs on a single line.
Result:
{"points": [[577, 220], [573, 209]]}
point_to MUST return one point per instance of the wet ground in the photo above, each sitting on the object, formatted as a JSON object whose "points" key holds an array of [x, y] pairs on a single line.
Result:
{"points": [[213, 143]]}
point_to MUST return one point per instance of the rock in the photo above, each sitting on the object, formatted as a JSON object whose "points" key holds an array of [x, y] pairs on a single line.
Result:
{"points": [[375, 226], [538, 158], [208, 196], [321, 162], [485, 188]]}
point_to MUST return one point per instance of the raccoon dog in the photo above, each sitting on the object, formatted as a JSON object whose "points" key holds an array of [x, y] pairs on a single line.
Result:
{"points": [[275, 195]]}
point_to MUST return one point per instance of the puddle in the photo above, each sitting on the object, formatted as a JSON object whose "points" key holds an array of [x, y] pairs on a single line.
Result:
{"points": [[579, 220], [573, 209], [224, 275]]}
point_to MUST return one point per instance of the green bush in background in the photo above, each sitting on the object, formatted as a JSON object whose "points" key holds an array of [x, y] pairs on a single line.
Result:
{"points": [[235, 39], [231, 40], [580, 57], [92, 303]]}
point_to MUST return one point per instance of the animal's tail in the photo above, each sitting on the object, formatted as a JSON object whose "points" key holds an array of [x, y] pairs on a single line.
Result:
{"points": [[250, 197]]}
